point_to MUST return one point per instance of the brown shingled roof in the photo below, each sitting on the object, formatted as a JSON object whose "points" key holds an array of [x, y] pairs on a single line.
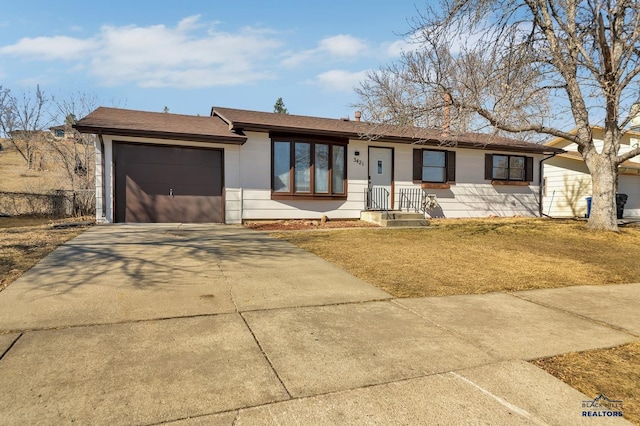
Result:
{"points": [[124, 122], [225, 125], [244, 120]]}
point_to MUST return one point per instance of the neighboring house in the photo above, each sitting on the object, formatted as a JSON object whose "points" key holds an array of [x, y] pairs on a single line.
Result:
{"points": [[567, 181], [61, 132], [240, 165]]}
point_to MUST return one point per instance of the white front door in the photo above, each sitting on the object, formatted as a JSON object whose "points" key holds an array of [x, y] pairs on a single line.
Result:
{"points": [[381, 170]]}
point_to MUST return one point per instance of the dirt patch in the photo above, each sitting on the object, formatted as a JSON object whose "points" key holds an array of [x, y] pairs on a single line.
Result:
{"points": [[26, 240], [301, 225]]}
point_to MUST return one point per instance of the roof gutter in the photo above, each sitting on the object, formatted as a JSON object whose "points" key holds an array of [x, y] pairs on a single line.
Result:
{"points": [[540, 184], [232, 140]]}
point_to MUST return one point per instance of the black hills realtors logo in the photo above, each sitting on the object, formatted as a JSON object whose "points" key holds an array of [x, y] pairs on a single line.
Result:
{"points": [[601, 406]]}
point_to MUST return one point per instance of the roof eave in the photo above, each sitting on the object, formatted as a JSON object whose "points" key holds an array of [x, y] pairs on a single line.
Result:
{"points": [[240, 126], [625, 165], [249, 127], [161, 135]]}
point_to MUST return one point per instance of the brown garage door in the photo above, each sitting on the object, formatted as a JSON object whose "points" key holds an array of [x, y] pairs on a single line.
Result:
{"points": [[161, 184]]}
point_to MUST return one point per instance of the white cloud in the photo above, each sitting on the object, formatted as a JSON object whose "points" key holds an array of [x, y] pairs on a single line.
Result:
{"points": [[48, 48], [160, 56], [339, 47], [188, 23], [394, 49], [196, 54], [340, 80], [342, 45]]}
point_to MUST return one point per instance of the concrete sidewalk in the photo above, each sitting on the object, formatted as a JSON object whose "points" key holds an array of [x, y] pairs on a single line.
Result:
{"points": [[201, 324]]}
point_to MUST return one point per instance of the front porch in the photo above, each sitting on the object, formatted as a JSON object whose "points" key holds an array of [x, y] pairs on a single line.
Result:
{"points": [[412, 205]]}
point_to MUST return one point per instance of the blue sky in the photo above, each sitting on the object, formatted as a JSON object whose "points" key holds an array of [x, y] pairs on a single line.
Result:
{"points": [[192, 55]]}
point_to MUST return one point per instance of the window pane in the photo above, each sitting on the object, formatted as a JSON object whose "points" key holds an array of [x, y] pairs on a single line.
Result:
{"points": [[433, 174], [321, 182], [516, 174], [432, 158], [500, 167], [338, 170], [516, 162], [501, 161], [302, 167], [499, 173], [281, 166]]}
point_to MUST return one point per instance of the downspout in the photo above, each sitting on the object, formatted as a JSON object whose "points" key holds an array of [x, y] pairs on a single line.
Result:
{"points": [[540, 182], [103, 195], [241, 204]]}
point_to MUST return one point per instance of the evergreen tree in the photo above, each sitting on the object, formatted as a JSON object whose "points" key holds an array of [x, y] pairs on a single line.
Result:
{"points": [[279, 107]]}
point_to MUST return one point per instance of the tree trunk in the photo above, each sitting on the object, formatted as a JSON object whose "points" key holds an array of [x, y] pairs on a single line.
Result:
{"points": [[604, 172]]}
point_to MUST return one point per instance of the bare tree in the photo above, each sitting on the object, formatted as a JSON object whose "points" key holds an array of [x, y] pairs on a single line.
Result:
{"points": [[517, 66], [23, 121], [75, 151]]}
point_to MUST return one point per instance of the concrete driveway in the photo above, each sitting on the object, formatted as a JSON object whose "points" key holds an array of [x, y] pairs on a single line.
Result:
{"points": [[201, 324]]}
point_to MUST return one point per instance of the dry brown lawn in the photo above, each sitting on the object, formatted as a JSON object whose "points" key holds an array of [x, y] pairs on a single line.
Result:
{"points": [[613, 372], [15, 177], [479, 256], [24, 241]]}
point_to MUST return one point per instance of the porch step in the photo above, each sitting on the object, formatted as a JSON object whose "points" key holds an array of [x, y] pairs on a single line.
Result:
{"points": [[395, 219], [399, 223]]}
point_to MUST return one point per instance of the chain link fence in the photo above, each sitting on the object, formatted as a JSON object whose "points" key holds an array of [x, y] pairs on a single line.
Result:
{"points": [[56, 204]]}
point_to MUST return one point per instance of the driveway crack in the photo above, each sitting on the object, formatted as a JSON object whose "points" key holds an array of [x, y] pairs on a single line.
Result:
{"points": [[10, 346], [228, 282], [266, 356], [235, 418]]}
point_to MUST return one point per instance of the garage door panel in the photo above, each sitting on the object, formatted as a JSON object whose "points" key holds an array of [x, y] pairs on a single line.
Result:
{"points": [[172, 172], [158, 179], [165, 155], [147, 176], [153, 188], [162, 209]]}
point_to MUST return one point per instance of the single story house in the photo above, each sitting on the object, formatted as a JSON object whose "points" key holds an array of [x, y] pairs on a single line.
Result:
{"points": [[61, 132], [238, 165], [567, 181]]}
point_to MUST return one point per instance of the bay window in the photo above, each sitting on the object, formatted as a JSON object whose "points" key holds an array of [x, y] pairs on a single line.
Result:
{"points": [[308, 167]]}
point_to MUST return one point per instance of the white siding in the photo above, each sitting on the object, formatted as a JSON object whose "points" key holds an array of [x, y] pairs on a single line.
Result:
{"points": [[568, 183], [471, 195], [634, 142], [630, 185], [100, 207]]}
